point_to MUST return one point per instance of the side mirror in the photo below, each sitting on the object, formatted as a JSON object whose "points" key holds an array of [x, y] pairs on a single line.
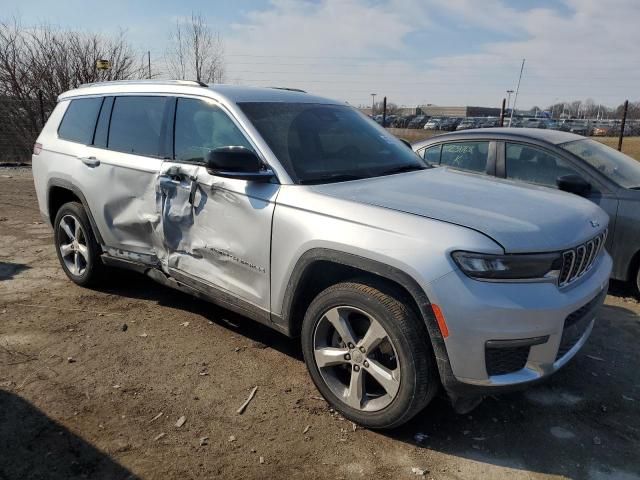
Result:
{"points": [[573, 184], [237, 162]]}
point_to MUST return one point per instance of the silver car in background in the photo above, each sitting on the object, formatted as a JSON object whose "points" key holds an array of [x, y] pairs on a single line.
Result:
{"points": [[559, 160], [302, 214]]}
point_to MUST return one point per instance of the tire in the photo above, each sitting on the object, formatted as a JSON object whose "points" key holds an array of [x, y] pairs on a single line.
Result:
{"points": [[635, 282], [405, 353], [76, 246]]}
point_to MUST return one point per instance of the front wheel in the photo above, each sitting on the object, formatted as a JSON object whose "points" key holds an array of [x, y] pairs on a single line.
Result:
{"points": [[369, 354]]}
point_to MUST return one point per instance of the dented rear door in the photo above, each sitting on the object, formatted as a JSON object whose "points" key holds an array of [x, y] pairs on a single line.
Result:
{"points": [[122, 168]]}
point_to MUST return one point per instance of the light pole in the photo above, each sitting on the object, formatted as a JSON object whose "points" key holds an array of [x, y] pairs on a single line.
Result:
{"points": [[515, 99], [509, 92], [373, 103]]}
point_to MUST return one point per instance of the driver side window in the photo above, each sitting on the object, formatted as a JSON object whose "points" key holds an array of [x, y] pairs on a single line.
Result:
{"points": [[534, 165], [201, 127]]}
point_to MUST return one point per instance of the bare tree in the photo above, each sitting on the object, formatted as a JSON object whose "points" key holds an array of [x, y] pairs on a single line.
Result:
{"points": [[196, 52], [44, 62]]}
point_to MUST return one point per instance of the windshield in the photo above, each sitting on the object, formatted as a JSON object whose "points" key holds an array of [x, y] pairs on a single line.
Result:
{"points": [[618, 167], [320, 143]]}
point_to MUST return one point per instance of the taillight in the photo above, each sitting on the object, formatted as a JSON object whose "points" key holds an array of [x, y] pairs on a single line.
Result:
{"points": [[37, 148]]}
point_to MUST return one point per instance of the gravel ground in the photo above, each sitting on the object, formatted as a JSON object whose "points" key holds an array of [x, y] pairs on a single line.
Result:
{"points": [[93, 383]]}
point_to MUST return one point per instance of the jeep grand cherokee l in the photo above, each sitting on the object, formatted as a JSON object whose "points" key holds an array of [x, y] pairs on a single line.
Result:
{"points": [[302, 214]]}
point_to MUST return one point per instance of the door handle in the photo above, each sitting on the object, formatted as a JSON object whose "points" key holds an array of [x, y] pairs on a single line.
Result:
{"points": [[90, 161]]}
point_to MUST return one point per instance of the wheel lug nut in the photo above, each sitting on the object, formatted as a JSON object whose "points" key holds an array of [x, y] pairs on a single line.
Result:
{"points": [[366, 364], [347, 357], [362, 349], [350, 345], [356, 368]]}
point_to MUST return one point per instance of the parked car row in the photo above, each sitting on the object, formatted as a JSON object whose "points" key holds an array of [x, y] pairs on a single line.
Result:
{"points": [[578, 126], [397, 278]]}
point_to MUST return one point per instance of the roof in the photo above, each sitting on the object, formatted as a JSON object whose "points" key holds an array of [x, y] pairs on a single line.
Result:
{"points": [[231, 93], [551, 136]]}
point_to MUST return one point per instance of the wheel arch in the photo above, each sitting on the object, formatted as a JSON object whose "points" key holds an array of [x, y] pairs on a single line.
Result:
{"points": [[632, 269], [59, 192], [319, 268]]}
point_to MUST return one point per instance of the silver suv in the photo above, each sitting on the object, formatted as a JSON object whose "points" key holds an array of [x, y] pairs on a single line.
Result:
{"points": [[302, 214]]}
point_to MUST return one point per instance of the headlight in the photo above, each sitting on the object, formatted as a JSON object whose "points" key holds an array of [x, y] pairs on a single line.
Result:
{"points": [[527, 267]]}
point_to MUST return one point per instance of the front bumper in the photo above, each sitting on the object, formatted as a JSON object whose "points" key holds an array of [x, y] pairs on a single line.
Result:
{"points": [[527, 320]]}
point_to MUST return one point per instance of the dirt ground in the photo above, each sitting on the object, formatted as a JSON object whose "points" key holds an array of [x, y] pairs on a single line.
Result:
{"points": [[92, 383]]}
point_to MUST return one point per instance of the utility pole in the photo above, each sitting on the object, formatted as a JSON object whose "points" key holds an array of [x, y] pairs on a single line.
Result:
{"points": [[502, 112], [149, 61], [515, 99], [373, 104], [624, 120], [384, 112]]}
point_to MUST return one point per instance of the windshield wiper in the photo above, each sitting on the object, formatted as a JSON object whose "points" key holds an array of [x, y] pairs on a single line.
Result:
{"points": [[338, 177], [403, 168]]}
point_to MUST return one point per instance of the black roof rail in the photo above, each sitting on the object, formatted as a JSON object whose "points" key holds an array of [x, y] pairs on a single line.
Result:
{"points": [[289, 89]]}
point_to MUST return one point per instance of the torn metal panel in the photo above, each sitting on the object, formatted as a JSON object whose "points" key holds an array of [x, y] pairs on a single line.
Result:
{"points": [[215, 229], [121, 192]]}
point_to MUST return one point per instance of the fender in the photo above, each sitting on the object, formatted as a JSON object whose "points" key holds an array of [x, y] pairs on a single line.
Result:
{"points": [[59, 182], [379, 269]]}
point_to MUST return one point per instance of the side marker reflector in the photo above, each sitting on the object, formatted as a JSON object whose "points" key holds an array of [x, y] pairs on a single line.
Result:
{"points": [[440, 319]]}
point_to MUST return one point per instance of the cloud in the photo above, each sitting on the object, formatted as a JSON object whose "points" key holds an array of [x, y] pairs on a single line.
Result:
{"points": [[350, 48]]}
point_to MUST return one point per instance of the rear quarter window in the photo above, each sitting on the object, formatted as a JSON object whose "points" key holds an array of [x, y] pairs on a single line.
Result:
{"points": [[79, 121]]}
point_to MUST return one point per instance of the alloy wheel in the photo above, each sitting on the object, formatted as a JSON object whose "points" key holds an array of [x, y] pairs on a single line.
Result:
{"points": [[72, 243], [356, 358]]}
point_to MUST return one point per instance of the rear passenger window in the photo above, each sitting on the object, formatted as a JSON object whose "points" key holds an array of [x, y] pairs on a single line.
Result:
{"points": [[202, 127], [79, 121], [432, 154], [136, 125], [470, 156]]}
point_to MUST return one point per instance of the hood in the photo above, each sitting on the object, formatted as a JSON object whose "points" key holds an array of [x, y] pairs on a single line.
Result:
{"points": [[521, 218]]}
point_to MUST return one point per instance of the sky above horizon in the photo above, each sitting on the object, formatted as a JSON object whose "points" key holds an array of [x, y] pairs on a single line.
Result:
{"points": [[453, 52]]}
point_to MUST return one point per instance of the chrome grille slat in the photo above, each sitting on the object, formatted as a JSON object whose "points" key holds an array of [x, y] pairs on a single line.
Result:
{"points": [[580, 253], [579, 260], [590, 251]]}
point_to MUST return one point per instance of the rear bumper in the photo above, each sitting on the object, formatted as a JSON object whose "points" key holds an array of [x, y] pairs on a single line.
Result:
{"points": [[504, 336]]}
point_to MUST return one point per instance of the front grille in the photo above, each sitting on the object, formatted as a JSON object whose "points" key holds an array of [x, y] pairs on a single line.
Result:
{"points": [[576, 324], [501, 360], [577, 261]]}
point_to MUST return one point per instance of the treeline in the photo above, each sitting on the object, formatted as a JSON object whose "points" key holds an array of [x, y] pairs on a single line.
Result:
{"points": [[590, 109], [39, 63]]}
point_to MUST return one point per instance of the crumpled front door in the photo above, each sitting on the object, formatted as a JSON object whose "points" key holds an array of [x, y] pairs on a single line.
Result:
{"points": [[216, 230]]}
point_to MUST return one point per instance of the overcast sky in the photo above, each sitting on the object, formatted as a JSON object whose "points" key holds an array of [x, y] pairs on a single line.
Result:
{"points": [[446, 52]]}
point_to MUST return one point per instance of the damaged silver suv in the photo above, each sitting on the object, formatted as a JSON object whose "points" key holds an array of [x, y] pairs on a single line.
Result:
{"points": [[302, 214]]}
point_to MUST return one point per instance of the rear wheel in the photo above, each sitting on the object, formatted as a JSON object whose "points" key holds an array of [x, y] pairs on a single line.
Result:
{"points": [[77, 249], [369, 354]]}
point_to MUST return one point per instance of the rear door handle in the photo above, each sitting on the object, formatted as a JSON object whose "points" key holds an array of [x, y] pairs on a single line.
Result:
{"points": [[90, 161]]}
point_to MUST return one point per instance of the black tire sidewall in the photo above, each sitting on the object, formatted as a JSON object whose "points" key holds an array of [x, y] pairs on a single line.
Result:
{"points": [[402, 407], [90, 274]]}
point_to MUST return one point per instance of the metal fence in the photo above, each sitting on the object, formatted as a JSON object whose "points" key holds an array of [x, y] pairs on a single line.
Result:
{"points": [[20, 124]]}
